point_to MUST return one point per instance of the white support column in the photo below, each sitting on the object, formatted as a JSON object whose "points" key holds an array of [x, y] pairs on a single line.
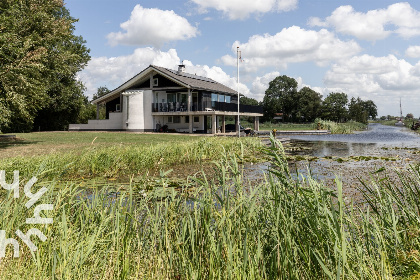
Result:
{"points": [[223, 124], [191, 123], [257, 123], [213, 124], [189, 101]]}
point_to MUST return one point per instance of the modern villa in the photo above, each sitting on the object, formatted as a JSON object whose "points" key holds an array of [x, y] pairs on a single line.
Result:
{"points": [[158, 97]]}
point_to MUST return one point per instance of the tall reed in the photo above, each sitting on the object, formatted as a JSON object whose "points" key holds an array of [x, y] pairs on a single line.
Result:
{"points": [[339, 128], [124, 160], [226, 229]]}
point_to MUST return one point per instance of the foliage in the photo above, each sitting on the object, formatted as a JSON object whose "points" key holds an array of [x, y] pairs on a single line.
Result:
{"points": [[338, 128], [334, 107], [248, 101], [410, 116], [101, 91], [282, 228], [119, 160], [308, 105], [39, 59], [279, 97]]}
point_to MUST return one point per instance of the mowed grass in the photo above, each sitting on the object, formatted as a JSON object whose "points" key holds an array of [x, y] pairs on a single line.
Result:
{"points": [[42, 143]]}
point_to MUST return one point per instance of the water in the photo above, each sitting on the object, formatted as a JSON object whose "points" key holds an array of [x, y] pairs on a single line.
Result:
{"points": [[350, 157], [366, 143]]}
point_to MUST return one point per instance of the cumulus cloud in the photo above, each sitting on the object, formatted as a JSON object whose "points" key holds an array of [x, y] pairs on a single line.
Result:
{"points": [[292, 45], [381, 79], [413, 51], [399, 18], [152, 27], [113, 71], [260, 85], [242, 9], [372, 74]]}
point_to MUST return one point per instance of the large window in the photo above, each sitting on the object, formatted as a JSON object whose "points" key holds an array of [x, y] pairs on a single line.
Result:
{"points": [[221, 98], [227, 98]]}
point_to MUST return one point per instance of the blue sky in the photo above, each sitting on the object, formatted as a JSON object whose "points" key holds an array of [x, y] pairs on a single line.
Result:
{"points": [[367, 49]]}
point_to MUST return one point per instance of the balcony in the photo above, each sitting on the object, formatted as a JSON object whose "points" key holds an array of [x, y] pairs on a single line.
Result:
{"points": [[205, 106]]}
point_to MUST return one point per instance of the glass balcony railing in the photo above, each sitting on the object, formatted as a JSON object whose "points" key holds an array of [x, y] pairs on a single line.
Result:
{"points": [[205, 106]]}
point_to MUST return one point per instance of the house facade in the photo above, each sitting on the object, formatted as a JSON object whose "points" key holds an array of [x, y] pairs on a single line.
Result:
{"points": [[158, 97]]}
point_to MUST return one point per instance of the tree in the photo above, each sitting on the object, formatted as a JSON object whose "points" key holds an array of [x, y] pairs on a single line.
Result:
{"points": [[279, 97], [371, 109], [101, 91], [308, 104], [334, 107], [357, 111], [409, 116], [248, 101], [39, 59]]}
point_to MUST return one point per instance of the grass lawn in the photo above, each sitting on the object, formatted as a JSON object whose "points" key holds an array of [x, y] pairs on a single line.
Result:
{"points": [[43, 143]]}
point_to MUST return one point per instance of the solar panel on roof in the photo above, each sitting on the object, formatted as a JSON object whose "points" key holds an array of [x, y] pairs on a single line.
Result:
{"points": [[187, 75]]}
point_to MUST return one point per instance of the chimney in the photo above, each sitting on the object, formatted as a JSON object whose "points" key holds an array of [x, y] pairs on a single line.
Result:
{"points": [[181, 69]]}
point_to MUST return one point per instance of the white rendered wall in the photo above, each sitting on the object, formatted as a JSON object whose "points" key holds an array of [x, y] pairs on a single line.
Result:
{"points": [[147, 110], [113, 123], [133, 110]]}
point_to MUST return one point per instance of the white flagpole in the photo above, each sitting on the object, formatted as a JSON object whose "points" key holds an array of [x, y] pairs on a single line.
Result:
{"points": [[237, 62]]}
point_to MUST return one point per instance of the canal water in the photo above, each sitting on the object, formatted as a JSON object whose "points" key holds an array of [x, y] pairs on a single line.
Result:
{"points": [[349, 157]]}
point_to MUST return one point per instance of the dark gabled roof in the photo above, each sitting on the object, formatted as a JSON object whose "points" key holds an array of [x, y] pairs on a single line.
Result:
{"points": [[196, 82], [183, 79]]}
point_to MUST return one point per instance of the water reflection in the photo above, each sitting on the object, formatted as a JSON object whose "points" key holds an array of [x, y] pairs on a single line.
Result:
{"points": [[376, 133], [365, 143]]}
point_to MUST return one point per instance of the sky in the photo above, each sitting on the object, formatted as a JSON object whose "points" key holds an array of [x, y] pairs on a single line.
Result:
{"points": [[367, 49]]}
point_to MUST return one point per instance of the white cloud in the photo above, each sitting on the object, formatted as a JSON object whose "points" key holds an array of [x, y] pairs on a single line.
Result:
{"points": [[380, 79], [242, 9], [217, 74], [260, 85], [152, 27], [413, 51], [399, 18], [113, 71], [292, 45]]}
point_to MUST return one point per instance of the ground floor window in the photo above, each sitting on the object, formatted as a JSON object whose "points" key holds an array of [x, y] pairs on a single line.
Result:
{"points": [[187, 119], [177, 119], [196, 119]]}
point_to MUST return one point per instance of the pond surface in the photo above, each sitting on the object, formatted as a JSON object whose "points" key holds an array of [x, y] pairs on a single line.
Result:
{"points": [[370, 142], [350, 157]]}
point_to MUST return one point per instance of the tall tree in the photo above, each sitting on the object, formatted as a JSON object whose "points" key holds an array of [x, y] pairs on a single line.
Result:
{"points": [[357, 111], [371, 109], [308, 104], [279, 97], [334, 107], [39, 59]]}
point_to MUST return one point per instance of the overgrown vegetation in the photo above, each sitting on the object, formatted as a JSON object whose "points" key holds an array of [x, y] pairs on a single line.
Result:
{"points": [[339, 128], [124, 160], [279, 229]]}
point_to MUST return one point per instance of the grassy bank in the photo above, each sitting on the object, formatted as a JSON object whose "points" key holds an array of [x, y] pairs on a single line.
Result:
{"points": [[42, 143], [280, 229], [124, 160], [335, 128], [339, 128]]}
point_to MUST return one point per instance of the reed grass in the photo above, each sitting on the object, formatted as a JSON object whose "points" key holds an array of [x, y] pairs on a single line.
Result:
{"points": [[339, 128], [280, 229], [125, 160]]}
